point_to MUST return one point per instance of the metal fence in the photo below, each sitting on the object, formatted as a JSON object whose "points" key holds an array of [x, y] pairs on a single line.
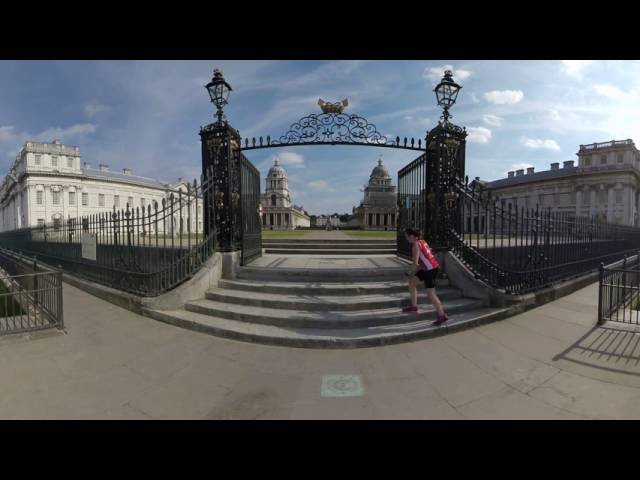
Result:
{"points": [[250, 200], [520, 249], [619, 293], [412, 201], [143, 250], [30, 295]]}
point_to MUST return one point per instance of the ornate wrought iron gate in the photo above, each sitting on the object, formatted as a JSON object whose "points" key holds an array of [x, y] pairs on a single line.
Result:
{"points": [[249, 208], [412, 201]]}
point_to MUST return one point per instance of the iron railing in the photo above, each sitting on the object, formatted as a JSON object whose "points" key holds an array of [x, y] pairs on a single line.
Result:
{"points": [[519, 249], [412, 201], [30, 295], [143, 250], [250, 200], [619, 293]]}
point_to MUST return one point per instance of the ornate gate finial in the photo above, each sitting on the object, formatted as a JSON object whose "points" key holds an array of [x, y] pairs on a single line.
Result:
{"points": [[328, 107]]}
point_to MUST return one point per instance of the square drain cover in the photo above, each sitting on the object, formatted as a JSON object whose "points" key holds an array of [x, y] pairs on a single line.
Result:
{"points": [[342, 386]]}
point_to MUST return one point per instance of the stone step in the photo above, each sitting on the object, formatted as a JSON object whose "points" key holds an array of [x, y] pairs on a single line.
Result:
{"points": [[266, 241], [372, 336], [331, 246], [287, 301], [332, 289], [322, 275], [325, 319], [367, 251]]}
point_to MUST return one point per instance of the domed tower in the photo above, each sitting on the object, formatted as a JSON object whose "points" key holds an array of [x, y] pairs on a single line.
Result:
{"points": [[276, 207], [277, 187], [378, 208]]}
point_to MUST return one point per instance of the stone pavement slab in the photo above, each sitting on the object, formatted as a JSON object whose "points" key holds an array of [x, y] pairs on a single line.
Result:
{"points": [[551, 362]]}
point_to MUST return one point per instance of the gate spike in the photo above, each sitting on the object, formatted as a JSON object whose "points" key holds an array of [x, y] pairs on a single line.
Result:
{"points": [[260, 141], [405, 141], [254, 141], [397, 140], [246, 143], [268, 140], [419, 143], [412, 141]]}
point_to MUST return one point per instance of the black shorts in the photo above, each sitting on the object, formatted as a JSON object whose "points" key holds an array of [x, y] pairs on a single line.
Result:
{"points": [[428, 277]]}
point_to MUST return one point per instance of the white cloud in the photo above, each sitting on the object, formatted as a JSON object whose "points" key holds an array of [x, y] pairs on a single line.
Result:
{"points": [[289, 158], [7, 133], [519, 166], [574, 68], [537, 144], [320, 185], [479, 135], [92, 109], [62, 133], [492, 120], [474, 98], [435, 74], [504, 97], [610, 91]]}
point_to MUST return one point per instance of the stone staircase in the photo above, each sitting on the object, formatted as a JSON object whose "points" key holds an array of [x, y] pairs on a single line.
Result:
{"points": [[323, 308], [329, 247]]}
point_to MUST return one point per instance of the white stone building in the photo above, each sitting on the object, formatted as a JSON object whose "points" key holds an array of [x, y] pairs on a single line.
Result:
{"points": [[378, 209], [332, 220], [48, 183], [277, 211], [605, 184]]}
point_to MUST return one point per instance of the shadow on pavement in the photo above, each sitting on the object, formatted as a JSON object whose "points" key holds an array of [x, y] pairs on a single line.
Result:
{"points": [[611, 347]]}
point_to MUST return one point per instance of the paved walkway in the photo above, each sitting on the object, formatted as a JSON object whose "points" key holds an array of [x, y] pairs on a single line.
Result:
{"points": [[549, 363], [274, 260]]}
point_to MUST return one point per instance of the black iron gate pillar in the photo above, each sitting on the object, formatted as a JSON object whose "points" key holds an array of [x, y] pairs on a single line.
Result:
{"points": [[446, 145], [221, 172]]}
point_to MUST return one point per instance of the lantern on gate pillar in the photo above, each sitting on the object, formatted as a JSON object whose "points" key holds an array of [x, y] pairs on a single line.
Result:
{"points": [[447, 93], [219, 91]]}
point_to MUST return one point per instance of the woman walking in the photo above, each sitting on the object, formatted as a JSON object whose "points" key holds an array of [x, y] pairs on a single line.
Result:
{"points": [[424, 266]]}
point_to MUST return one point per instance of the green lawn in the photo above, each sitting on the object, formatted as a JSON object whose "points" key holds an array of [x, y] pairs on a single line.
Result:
{"points": [[372, 234], [284, 233]]}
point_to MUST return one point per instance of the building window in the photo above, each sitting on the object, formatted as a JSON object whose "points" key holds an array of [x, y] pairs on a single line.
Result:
{"points": [[72, 198], [38, 159], [85, 199], [587, 160], [101, 199], [603, 159], [619, 157], [56, 198], [116, 201], [56, 223], [273, 200], [69, 162], [618, 196], [54, 161], [41, 222], [130, 202], [39, 197]]}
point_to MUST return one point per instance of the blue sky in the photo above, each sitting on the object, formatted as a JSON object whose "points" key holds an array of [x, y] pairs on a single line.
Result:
{"points": [[146, 114]]}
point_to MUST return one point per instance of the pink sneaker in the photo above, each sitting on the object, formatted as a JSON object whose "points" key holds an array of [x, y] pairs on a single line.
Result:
{"points": [[440, 320], [409, 309]]}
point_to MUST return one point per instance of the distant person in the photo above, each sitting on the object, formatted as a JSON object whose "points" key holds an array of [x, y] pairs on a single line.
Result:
{"points": [[424, 266]]}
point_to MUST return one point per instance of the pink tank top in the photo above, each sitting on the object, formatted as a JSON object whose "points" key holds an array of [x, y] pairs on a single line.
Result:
{"points": [[426, 259]]}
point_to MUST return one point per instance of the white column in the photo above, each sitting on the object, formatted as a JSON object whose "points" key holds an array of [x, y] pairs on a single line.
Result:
{"points": [[592, 206], [626, 204], [578, 202], [610, 202]]}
